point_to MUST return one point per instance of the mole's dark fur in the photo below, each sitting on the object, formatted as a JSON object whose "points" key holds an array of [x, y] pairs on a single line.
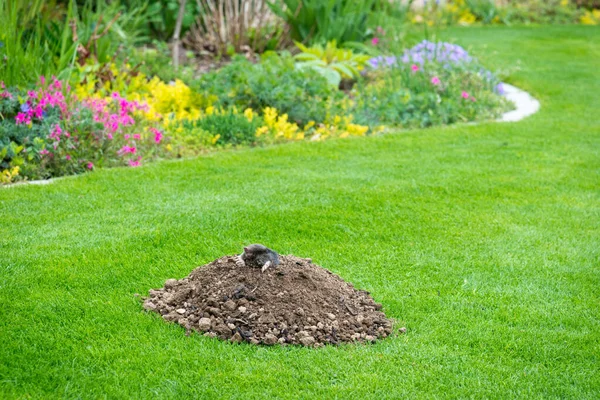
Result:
{"points": [[257, 255]]}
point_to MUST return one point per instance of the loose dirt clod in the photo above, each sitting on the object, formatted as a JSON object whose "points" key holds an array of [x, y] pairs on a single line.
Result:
{"points": [[295, 303]]}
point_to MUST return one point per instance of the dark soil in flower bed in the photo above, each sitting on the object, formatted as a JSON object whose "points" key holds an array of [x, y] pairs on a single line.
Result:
{"points": [[296, 302]]}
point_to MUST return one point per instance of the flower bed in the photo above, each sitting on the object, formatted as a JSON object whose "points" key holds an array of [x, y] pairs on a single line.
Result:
{"points": [[117, 116]]}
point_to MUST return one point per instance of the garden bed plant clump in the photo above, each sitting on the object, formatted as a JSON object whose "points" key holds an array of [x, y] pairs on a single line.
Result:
{"points": [[429, 84], [508, 12], [47, 132]]}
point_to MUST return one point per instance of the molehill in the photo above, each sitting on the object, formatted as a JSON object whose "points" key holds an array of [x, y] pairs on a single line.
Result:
{"points": [[296, 302]]}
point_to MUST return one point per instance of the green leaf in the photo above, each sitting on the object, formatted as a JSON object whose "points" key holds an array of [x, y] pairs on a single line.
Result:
{"points": [[343, 70], [333, 77], [306, 57], [312, 63]]}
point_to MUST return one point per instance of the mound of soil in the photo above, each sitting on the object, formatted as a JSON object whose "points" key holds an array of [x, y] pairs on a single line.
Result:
{"points": [[296, 302]]}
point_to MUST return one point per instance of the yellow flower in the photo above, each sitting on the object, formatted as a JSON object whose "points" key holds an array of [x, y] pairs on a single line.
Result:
{"points": [[357, 130], [590, 18], [270, 116], [215, 138], [8, 175], [466, 18], [248, 114], [261, 130], [309, 125]]}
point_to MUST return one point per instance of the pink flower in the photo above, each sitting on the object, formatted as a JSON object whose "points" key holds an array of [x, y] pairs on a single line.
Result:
{"points": [[465, 95], [473, 99], [127, 149], [38, 112], [137, 136], [68, 157], [157, 135], [414, 67], [374, 41], [127, 137], [22, 118], [56, 132], [435, 80], [44, 152], [89, 165], [57, 84], [42, 80], [135, 163], [2, 85]]}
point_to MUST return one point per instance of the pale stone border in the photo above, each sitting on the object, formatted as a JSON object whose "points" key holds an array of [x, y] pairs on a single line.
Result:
{"points": [[525, 104]]}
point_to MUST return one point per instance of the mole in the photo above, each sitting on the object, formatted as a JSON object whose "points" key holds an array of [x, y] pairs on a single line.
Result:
{"points": [[257, 256]]}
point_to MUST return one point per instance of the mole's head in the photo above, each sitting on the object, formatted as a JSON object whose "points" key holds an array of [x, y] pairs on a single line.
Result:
{"points": [[255, 249]]}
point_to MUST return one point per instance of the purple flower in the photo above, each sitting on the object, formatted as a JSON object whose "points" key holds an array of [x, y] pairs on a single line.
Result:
{"points": [[381, 61], [441, 52], [500, 88]]}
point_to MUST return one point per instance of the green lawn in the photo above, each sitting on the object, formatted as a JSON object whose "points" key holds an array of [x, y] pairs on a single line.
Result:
{"points": [[484, 241]]}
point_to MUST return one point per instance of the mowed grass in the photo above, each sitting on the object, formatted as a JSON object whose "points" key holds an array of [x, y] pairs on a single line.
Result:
{"points": [[484, 241]]}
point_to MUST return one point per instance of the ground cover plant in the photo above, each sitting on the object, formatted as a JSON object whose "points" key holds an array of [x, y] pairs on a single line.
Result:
{"points": [[482, 240]]}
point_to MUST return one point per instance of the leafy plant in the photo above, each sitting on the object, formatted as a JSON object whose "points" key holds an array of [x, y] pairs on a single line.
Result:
{"points": [[274, 82], [484, 10], [32, 43], [229, 127], [320, 21], [160, 17], [99, 29], [331, 62]]}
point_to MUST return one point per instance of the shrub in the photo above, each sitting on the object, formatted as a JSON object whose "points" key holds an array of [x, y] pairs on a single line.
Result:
{"points": [[542, 12], [331, 62], [467, 12], [229, 127], [226, 26], [317, 21], [303, 95]]}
